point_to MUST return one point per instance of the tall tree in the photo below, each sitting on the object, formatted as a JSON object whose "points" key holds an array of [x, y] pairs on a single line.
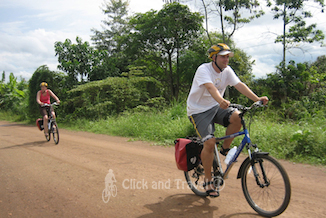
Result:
{"points": [[293, 11], [232, 14], [115, 26], [166, 33], [111, 38], [75, 59]]}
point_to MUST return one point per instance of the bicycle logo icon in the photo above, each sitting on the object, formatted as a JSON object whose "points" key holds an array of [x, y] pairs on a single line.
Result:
{"points": [[110, 187]]}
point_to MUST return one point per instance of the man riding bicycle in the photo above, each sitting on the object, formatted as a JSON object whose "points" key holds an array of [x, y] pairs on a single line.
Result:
{"points": [[109, 180], [43, 97], [206, 105]]}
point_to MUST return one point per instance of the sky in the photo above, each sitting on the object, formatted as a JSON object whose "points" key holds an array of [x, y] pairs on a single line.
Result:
{"points": [[29, 29]]}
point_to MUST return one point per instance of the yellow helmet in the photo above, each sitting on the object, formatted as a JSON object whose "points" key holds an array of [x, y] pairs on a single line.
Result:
{"points": [[220, 49], [43, 84]]}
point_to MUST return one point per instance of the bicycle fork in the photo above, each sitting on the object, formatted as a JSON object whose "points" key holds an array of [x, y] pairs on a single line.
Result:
{"points": [[256, 174]]}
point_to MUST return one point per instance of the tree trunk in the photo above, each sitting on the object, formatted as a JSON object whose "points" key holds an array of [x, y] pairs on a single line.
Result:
{"points": [[284, 32], [171, 74], [222, 24], [206, 21], [177, 86]]}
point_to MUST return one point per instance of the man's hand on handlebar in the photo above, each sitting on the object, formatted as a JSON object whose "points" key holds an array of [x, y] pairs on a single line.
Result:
{"points": [[264, 99], [224, 104]]}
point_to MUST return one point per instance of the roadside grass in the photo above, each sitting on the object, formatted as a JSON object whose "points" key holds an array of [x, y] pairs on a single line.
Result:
{"points": [[12, 117], [162, 128], [303, 141]]}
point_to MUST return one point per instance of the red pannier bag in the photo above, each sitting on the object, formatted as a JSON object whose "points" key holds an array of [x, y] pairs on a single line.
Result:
{"points": [[39, 124], [187, 153]]}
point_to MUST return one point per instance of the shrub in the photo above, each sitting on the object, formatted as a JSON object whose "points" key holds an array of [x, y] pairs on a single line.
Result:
{"points": [[113, 95]]}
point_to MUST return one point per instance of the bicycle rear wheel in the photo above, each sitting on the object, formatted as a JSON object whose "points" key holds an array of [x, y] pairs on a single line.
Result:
{"points": [[269, 193], [55, 132], [196, 177]]}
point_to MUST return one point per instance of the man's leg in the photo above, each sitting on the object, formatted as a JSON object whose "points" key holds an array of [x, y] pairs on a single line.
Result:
{"points": [[233, 127], [45, 124], [53, 114], [207, 157], [205, 129], [45, 120]]}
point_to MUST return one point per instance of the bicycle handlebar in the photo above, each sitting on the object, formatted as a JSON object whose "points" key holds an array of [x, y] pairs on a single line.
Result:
{"points": [[48, 105], [243, 108]]}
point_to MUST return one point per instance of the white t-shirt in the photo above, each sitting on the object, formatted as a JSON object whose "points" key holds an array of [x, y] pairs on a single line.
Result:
{"points": [[199, 99]]}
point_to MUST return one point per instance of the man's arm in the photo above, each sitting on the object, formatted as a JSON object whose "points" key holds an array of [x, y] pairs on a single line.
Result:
{"points": [[245, 90], [54, 96], [224, 104], [38, 98]]}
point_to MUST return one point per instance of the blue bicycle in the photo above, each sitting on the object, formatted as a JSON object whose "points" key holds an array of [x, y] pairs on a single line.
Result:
{"points": [[265, 183]]}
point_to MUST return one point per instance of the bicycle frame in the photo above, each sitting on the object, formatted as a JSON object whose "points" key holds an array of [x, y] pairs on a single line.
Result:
{"points": [[52, 127], [257, 173], [245, 140], [50, 117], [48, 108]]}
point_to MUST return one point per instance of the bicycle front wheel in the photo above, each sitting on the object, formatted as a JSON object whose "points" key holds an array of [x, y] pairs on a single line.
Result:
{"points": [[48, 137], [106, 194], [269, 191], [55, 132]]}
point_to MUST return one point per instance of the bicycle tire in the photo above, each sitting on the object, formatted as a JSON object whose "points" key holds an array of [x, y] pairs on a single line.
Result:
{"points": [[114, 190], [106, 196], [55, 132], [48, 137], [272, 199], [198, 173]]}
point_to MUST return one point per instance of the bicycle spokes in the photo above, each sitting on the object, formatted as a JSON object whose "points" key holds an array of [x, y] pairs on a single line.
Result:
{"points": [[197, 172], [266, 185]]}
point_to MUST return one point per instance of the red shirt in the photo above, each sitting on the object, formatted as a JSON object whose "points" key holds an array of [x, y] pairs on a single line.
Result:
{"points": [[45, 99]]}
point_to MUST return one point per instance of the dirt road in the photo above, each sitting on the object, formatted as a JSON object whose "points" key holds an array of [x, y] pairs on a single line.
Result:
{"points": [[41, 179]]}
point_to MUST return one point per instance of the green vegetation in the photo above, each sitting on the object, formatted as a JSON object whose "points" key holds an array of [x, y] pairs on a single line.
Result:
{"points": [[302, 141], [135, 81], [159, 126]]}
